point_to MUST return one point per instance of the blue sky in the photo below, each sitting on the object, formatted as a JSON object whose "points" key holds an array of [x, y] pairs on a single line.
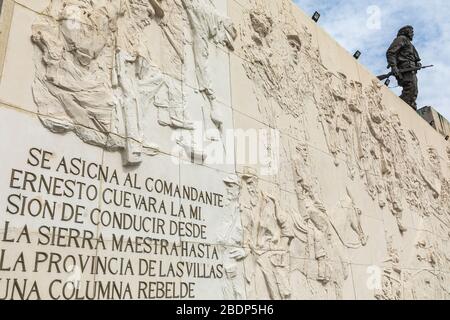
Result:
{"points": [[371, 25]]}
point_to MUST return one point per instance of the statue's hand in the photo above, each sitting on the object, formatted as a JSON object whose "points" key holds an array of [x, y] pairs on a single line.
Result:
{"points": [[238, 254], [142, 67], [419, 65], [151, 12], [397, 73]]}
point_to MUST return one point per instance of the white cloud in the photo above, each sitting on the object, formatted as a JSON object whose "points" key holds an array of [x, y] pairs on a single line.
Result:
{"points": [[353, 23]]}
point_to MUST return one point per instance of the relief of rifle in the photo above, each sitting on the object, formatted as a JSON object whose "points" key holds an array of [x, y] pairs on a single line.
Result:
{"points": [[390, 74], [159, 13]]}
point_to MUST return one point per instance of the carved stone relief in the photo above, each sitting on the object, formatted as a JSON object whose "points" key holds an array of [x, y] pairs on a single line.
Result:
{"points": [[360, 132], [232, 240], [392, 278], [208, 28], [274, 59], [430, 280], [6, 14], [322, 238], [448, 156], [267, 237], [388, 157], [95, 74], [351, 221]]}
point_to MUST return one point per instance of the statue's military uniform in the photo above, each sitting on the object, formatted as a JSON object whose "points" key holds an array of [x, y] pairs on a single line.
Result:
{"points": [[401, 55]]}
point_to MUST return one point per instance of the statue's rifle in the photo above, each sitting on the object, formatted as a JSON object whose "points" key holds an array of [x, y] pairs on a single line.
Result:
{"points": [[159, 13], [167, 32], [401, 71]]}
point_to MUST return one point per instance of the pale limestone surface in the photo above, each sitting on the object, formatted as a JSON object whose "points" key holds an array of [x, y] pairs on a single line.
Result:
{"points": [[223, 149]]}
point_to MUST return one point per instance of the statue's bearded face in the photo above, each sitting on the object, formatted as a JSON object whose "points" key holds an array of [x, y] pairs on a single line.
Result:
{"points": [[407, 31], [295, 47], [233, 193], [252, 187]]}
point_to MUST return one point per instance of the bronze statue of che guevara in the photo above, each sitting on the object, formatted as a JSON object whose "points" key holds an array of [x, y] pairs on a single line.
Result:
{"points": [[403, 55]]}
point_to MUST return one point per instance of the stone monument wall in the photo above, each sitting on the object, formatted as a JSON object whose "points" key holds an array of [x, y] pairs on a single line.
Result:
{"points": [[208, 149]]}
